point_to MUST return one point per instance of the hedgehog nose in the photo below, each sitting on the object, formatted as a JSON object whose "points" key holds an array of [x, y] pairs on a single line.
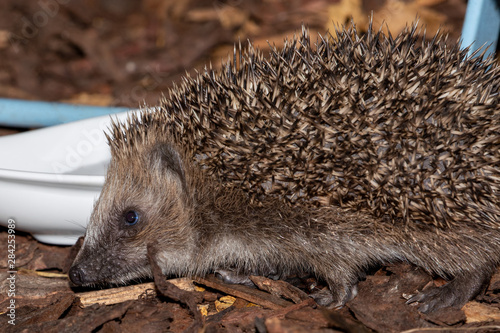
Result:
{"points": [[76, 275]]}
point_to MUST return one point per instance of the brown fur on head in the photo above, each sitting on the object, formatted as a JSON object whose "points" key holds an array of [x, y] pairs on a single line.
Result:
{"points": [[146, 179]]}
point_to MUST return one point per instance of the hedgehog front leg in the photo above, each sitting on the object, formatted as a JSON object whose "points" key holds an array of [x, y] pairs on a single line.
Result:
{"points": [[342, 284], [455, 293]]}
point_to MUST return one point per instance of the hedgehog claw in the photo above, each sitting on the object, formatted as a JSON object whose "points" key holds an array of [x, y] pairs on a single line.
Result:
{"points": [[423, 297], [455, 293], [326, 298]]}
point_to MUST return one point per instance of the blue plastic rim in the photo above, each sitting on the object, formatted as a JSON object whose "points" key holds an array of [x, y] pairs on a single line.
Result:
{"points": [[481, 25], [34, 114]]}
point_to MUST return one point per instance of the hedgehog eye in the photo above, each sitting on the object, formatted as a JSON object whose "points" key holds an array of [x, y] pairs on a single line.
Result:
{"points": [[131, 217]]}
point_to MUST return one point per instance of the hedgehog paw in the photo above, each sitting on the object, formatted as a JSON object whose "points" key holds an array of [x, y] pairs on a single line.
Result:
{"points": [[233, 277], [455, 293], [335, 300]]}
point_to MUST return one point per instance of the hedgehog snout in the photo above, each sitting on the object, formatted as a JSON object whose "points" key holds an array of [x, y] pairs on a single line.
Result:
{"points": [[77, 275]]}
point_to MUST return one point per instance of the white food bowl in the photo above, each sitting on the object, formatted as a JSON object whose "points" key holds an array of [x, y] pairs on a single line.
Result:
{"points": [[50, 178]]}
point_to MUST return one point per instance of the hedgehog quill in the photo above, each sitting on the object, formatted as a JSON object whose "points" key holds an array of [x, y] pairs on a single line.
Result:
{"points": [[329, 157]]}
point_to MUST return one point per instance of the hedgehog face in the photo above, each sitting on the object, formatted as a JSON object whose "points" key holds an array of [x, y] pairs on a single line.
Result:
{"points": [[143, 199]]}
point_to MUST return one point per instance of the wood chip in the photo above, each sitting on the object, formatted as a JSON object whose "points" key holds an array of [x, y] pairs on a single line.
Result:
{"points": [[169, 290], [279, 288], [479, 312], [252, 295], [224, 302], [122, 294]]}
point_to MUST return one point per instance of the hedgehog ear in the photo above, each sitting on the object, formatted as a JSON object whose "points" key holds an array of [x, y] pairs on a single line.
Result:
{"points": [[170, 162]]}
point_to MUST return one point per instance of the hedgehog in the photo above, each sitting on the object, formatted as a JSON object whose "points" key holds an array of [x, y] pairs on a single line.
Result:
{"points": [[330, 158]]}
